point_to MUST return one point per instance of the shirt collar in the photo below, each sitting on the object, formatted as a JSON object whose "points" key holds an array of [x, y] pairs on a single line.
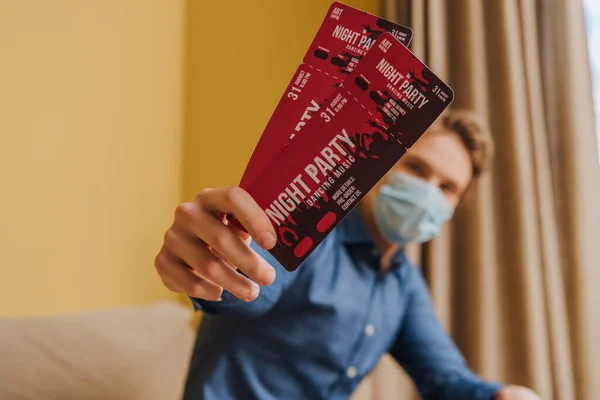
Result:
{"points": [[354, 231]]}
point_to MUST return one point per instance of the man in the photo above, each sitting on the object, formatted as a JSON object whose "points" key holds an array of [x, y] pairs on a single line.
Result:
{"points": [[316, 332]]}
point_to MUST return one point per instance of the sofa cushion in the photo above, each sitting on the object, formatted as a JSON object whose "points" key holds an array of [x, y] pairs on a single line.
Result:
{"points": [[137, 352]]}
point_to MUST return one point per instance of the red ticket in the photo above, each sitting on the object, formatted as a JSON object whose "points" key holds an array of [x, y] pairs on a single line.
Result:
{"points": [[384, 105], [343, 39]]}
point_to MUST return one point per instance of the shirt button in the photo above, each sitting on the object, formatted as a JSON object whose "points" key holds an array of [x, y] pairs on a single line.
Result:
{"points": [[351, 372], [369, 330]]}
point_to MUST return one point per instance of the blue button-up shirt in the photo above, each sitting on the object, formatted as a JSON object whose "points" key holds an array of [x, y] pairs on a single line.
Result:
{"points": [[316, 332]]}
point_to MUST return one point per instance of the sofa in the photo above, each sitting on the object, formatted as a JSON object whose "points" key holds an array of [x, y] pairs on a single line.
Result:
{"points": [[124, 353]]}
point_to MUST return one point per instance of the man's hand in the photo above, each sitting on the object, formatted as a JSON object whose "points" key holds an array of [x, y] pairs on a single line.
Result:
{"points": [[201, 251], [516, 393]]}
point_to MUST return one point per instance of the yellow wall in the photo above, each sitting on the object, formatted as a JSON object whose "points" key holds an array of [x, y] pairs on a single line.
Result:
{"points": [[94, 133], [90, 150], [249, 49]]}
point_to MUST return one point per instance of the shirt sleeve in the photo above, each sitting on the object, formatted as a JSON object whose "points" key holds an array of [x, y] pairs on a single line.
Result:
{"points": [[267, 298], [429, 355]]}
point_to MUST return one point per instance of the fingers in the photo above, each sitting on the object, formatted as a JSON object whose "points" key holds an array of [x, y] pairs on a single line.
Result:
{"points": [[233, 248], [236, 201], [244, 235], [202, 254], [178, 278], [195, 254]]}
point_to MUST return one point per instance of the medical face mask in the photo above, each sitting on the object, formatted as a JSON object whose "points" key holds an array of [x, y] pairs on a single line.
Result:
{"points": [[410, 210]]}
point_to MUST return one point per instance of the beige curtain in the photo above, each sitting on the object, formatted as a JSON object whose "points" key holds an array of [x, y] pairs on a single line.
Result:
{"points": [[516, 277]]}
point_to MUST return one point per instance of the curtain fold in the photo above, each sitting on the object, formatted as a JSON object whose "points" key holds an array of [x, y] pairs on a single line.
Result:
{"points": [[513, 276]]}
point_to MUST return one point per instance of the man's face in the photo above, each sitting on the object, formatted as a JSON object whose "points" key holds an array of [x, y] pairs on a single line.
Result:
{"points": [[438, 157]]}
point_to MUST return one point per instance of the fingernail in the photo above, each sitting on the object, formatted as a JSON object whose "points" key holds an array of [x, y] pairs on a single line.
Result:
{"points": [[268, 277], [254, 290], [267, 240]]}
